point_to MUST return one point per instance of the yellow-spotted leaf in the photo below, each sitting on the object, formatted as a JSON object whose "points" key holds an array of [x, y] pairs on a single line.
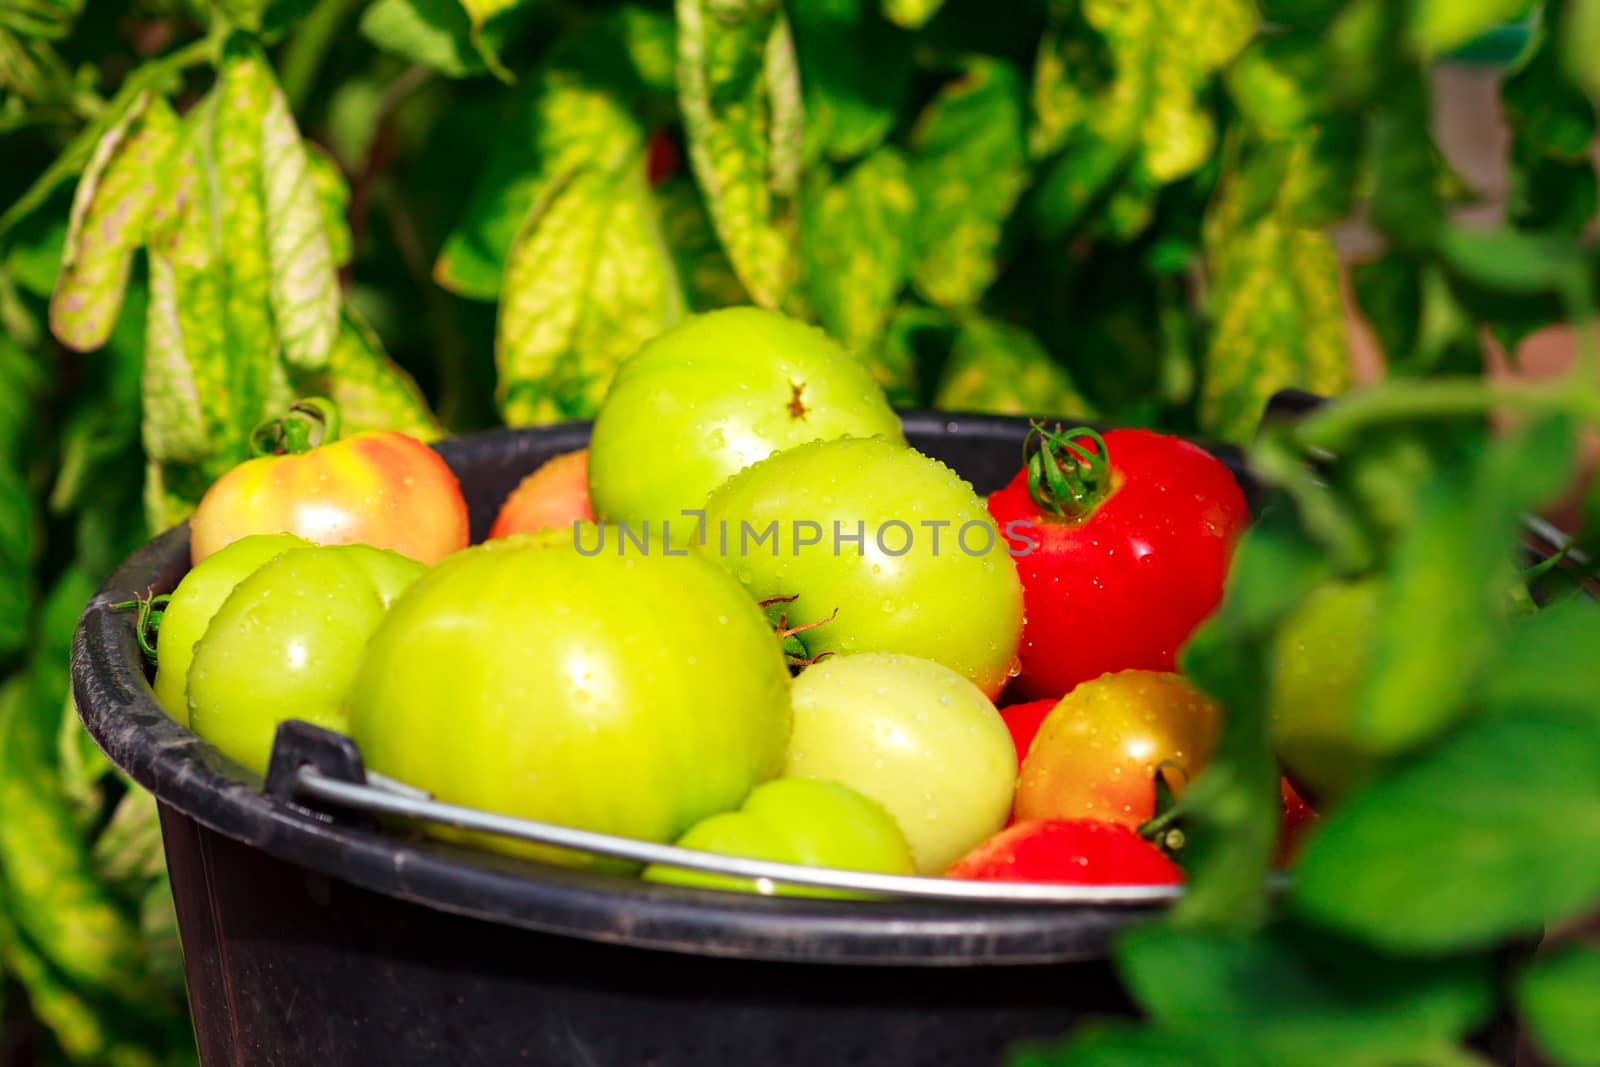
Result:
{"points": [[708, 278], [912, 14], [1002, 368], [589, 280], [739, 93], [1278, 319], [371, 391], [109, 213], [968, 166], [856, 240], [333, 195], [305, 287]]}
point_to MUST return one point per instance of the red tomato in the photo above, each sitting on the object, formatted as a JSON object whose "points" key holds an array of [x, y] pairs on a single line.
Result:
{"points": [[1097, 754], [1023, 721], [1072, 851], [555, 495], [661, 157], [378, 488], [1132, 540]]}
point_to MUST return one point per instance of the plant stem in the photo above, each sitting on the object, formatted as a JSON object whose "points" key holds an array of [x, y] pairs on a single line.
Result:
{"points": [[1338, 424]]}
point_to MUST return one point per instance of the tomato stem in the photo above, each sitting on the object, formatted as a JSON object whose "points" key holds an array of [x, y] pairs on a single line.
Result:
{"points": [[1069, 471], [309, 422], [147, 626]]}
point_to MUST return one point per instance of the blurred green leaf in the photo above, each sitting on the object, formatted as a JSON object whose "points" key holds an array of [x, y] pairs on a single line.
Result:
{"points": [[589, 281], [707, 276], [1280, 82], [857, 73], [1444, 607], [1557, 996], [1440, 25], [968, 167], [20, 386], [566, 116], [912, 14], [1546, 662], [1492, 834], [739, 93], [1002, 368], [1389, 294], [371, 391], [435, 33], [1406, 203], [855, 244], [1105, 1044], [1286, 999]]}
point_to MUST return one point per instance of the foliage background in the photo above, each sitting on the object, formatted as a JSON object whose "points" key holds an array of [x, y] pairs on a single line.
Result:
{"points": [[455, 213]]}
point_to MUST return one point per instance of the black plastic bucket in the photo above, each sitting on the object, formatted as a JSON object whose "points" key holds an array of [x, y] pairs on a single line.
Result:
{"points": [[315, 938]]}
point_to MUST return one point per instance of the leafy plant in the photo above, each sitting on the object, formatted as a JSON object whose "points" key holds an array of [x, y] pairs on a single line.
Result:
{"points": [[448, 214]]}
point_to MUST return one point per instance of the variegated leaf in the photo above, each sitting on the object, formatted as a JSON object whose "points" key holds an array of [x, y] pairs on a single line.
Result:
{"points": [[1002, 368], [856, 240], [305, 287]]}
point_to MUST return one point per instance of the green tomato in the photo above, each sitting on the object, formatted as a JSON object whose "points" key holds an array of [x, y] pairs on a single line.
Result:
{"points": [[929, 576], [286, 643], [195, 601], [1320, 658], [633, 696], [715, 394], [916, 737], [796, 820]]}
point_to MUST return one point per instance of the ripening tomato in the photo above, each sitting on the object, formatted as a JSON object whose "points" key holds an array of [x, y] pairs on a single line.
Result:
{"points": [[1132, 536], [1067, 851], [555, 495], [378, 488], [1097, 755]]}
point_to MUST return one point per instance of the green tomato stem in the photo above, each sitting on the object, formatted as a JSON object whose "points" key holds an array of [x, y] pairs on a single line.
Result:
{"points": [[1066, 476], [308, 423]]}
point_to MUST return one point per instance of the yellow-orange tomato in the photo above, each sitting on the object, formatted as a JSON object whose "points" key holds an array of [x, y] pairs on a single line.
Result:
{"points": [[378, 488], [1097, 753], [555, 495]]}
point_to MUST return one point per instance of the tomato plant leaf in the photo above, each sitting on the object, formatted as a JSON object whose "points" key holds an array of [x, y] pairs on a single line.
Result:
{"points": [[1556, 997], [585, 107], [1278, 313], [1508, 806], [911, 14], [1546, 663], [708, 278], [1072, 69], [435, 33], [855, 245], [1285, 998], [1102, 1044], [589, 281], [305, 289], [1552, 121], [21, 382], [968, 167], [857, 72], [333, 196], [109, 213], [1440, 25], [1444, 604], [739, 97], [1002, 368], [371, 391]]}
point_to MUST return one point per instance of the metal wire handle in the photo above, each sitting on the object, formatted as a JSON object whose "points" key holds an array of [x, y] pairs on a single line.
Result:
{"points": [[384, 796]]}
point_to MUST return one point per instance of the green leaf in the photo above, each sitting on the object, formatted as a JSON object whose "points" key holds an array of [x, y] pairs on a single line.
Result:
{"points": [[911, 14], [1099, 1044], [1440, 25], [1279, 82], [1491, 835], [589, 281], [1002, 368], [109, 213], [1389, 293], [855, 245], [1543, 106], [1510, 261], [1556, 997], [1323, 172], [1443, 607], [915, 344], [333, 195], [20, 385], [371, 391], [305, 288], [571, 114], [1278, 315], [1232, 811], [1579, 35], [1546, 664], [1285, 999], [1071, 71], [1407, 172], [739, 93], [857, 73], [434, 33], [968, 167]]}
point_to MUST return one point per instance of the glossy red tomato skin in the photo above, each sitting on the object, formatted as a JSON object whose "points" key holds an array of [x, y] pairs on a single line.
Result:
{"points": [[1023, 721], [1124, 586], [1067, 851], [555, 495], [378, 488]]}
